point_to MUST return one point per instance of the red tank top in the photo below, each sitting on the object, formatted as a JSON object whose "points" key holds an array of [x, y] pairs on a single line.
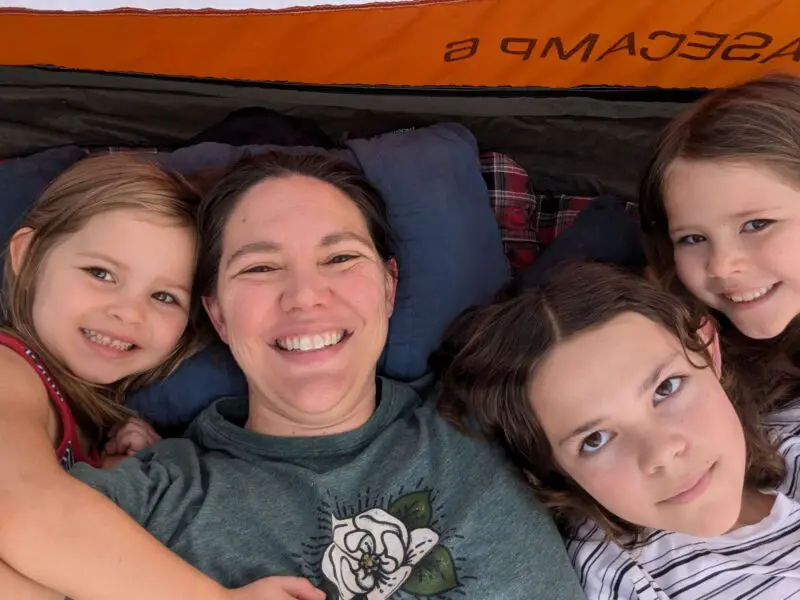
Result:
{"points": [[69, 449]]}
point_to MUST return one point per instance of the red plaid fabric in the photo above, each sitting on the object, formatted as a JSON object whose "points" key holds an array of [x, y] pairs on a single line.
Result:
{"points": [[514, 205], [555, 214], [529, 222]]}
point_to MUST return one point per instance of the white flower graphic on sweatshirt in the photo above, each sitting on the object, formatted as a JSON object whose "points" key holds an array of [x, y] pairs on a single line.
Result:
{"points": [[373, 554]]}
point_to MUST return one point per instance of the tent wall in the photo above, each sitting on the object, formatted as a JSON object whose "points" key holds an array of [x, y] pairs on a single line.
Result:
{"points": [[563, 138], [558, 86], [483, 43]]}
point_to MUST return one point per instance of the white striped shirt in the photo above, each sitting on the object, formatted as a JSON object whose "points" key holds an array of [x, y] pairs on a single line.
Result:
{"points": [[758, 561]]}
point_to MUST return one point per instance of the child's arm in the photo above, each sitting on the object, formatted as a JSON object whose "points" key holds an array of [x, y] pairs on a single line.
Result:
{"points": [[18, 587], [61, 533]]}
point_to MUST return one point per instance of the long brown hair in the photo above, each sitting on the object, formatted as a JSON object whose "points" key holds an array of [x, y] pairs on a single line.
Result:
{"points": [[92, 187], [490, 355], [757, 122]]}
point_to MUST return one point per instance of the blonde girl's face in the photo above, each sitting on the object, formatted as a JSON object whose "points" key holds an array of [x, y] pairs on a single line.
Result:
{"points": [[651, 437], [735, 230], [112, 299]]}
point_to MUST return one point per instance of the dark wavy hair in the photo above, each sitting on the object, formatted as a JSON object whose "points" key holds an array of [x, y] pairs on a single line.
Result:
{"points": [[490, 355]]}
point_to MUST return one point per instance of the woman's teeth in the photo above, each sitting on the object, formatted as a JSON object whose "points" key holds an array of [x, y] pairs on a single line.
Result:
{"points": [[104, 340], [306, 343], [750, 295]]}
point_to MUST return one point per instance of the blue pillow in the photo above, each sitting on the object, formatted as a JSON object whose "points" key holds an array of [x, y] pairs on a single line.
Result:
{"points": [[602, 232], [22, 180], [208, 375], [450, 254]]}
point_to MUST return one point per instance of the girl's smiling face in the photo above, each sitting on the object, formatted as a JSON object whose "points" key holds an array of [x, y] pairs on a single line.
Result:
{"points": [[735, 230]]}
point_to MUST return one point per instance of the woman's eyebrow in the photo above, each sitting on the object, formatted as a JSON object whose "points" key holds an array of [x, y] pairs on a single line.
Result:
{"points": [[329, 240], [343, 236], [253, 248]]}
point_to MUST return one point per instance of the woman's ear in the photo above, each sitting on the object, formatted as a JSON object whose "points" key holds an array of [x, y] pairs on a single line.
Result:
{"points": [[211, 304], [18, 247], [391, 285], [709, 334]]}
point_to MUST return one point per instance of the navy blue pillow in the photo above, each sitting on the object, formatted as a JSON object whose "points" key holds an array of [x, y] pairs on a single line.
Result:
{"points": [[210, 374], [450, 254], [22, 180], [602, 232]]}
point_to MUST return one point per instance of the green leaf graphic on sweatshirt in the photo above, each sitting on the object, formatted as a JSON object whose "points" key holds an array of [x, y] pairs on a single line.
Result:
{"points": [[413, 510], [434, 574]]}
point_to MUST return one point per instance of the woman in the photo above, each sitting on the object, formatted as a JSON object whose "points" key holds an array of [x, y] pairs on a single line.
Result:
{"points": [[325, 470]]}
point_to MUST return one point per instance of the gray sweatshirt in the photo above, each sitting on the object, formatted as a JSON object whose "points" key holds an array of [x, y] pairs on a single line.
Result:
{"points": [[403, 507]]}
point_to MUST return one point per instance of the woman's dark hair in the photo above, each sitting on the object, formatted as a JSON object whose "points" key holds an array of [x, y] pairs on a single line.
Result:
{"points": [[490, 355], [221, 200], [757, 122]]}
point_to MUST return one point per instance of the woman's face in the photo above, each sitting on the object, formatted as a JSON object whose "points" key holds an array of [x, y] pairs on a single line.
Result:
{"points": [[303, 300]]}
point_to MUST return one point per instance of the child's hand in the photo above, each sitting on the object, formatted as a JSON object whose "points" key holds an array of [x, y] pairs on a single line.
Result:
{"points": [[126, 440], [278, 588]]}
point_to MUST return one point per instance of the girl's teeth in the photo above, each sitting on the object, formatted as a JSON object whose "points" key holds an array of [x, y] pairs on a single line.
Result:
{"points": [[749, 296], [305, 343], [104, 340]]}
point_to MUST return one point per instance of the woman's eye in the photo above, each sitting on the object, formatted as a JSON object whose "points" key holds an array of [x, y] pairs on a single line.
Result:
{"points": [[690, 240], [595, 441], [756, 225], [669, 387], [341, 259], [165, 298], [260, 269], [98, 273]]}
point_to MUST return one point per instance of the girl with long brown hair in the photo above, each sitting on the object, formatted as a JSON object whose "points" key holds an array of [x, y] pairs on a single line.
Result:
{"points": [[720, 210], [612, 399]]}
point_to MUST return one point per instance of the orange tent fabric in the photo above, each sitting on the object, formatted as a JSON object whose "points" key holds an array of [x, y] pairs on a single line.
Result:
{"points": [[487, 43]]}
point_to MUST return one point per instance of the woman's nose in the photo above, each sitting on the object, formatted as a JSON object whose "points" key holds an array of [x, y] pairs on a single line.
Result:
{"points": [[305, 290]]}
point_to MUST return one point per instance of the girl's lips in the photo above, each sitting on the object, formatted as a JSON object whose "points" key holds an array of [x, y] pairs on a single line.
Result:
{"points": [[693, 490], [106, 350], [750, 298]]}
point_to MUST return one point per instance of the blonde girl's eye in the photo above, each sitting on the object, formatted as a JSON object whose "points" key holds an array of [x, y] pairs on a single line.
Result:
{"points": [[100, 273]]}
